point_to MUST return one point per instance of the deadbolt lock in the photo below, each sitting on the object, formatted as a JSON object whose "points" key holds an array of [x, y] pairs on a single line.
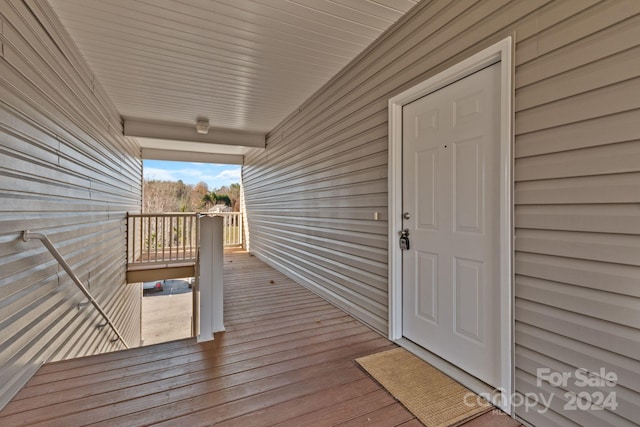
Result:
{"points": [[404, 240]]}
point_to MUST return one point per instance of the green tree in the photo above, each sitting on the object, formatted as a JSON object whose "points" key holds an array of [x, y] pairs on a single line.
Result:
{"points": [[209, 199], [176, 196], [233, 192], [224, 199]]}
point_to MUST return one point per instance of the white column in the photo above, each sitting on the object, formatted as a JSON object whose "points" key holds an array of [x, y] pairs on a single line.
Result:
{"points": [[211, 278]]}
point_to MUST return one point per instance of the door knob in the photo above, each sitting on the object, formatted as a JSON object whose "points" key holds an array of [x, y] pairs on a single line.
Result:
{"points": [[406, 215]]}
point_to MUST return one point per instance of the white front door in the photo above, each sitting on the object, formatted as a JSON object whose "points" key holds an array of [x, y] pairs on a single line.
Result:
{"points": [[451, 200]]}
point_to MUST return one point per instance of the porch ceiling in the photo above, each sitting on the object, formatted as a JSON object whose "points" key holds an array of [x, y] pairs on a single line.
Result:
{"points": [[244, 65]]}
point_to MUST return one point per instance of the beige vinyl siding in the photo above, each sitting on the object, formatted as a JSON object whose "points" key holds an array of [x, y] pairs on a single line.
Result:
{"points": [[312, 194], [65, 171]]}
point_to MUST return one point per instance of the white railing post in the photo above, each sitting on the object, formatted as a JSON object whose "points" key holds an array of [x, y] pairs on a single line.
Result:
{"points": [[210, 284]]}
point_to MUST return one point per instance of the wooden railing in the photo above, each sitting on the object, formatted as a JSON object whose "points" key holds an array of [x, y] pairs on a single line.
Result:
{"points": [[172, 238], [161, 238], [232, 228]]}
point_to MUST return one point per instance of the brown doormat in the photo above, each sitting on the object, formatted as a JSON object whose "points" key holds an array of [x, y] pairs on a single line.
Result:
{"points": [[434, 398]]}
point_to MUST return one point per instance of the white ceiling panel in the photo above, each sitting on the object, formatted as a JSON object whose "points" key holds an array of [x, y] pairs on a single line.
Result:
{"points": [[243, 64]]}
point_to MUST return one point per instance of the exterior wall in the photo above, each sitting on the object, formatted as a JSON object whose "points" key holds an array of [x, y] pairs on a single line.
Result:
{"points": [[312, 194], [66, 171]]}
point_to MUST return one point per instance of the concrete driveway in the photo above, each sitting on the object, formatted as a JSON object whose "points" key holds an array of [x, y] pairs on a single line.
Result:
{"points": [[166, 315]]}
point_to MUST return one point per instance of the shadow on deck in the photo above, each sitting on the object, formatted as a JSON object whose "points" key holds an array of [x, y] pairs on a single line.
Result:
{"points": [[286, 358]]}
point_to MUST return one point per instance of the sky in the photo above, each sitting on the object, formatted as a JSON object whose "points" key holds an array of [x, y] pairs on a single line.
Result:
{"points": [[192, 173]]}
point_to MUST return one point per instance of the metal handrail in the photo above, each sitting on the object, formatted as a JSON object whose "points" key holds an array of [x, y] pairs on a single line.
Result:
{"points": [[27, 235]]}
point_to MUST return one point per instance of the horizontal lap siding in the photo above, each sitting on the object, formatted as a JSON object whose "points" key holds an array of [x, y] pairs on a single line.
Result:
{"points": [[65, 171], [577, 173], [312, 194]]}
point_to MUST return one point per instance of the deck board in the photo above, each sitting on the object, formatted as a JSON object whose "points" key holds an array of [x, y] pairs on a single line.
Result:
{"points": [[286, 353], [286, 358]]}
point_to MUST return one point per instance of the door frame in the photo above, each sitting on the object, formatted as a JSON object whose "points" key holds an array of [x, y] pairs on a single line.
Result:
{"points": [[502, 52]]}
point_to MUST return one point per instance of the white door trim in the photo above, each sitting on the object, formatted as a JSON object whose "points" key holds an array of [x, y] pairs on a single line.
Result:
{"points": [[499, 52]]}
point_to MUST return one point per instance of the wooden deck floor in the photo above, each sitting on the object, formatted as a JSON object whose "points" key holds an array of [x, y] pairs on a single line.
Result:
{"points": [[286, 358]]}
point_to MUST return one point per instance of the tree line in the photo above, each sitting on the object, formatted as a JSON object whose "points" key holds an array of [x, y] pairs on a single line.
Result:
{"points": [[176, 196]]}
